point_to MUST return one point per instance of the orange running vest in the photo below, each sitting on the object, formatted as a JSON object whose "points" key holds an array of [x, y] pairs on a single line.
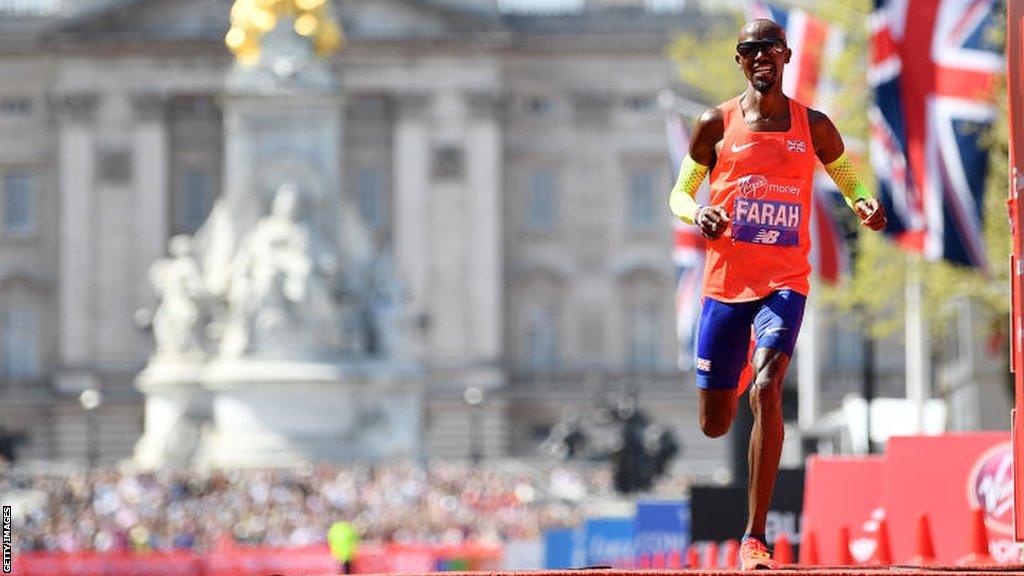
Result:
{"points": [[764, 181]]}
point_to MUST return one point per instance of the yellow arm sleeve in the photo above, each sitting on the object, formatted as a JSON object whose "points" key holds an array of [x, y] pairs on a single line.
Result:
{"points": [[682, 201], [845, 176]]}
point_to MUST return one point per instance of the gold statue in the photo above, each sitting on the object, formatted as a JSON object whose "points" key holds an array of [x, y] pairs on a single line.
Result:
{"points": [[251, 19]]}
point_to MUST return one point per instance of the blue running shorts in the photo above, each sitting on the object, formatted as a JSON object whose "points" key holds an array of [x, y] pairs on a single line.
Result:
{"points": [[723, 336]]}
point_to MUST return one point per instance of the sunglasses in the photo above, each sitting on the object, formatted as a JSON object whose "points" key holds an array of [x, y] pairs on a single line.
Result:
{"points": [[746, 49]]}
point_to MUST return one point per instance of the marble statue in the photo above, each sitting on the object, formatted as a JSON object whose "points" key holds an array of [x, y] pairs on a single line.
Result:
{"points": [[301, 317], [279, 279], [179, 284], [215, 241]]}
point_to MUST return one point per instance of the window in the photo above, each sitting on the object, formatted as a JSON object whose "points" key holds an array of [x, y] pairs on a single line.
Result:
{"points": [[643, 338], [370, 196], [541, 345], [115, 165], [539, 105], [448, 162], [643, 202], [19, 203], [20, 344], [15, 106], [640, 104], [196, 199], [592, 332], [543, 209]]}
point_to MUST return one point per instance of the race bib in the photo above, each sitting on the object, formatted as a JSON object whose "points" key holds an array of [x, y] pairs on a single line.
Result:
{"points": [[766, 222]]}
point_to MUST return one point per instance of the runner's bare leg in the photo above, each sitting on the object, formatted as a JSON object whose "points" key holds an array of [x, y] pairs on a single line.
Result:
{"points": [[766, 437]]}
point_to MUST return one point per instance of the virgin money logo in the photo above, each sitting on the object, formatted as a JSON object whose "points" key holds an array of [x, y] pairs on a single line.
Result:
{"points": [[753, 186], [990, 486]]}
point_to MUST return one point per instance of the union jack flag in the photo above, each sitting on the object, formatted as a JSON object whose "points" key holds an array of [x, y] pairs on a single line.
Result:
{"points": [[934, 65]]}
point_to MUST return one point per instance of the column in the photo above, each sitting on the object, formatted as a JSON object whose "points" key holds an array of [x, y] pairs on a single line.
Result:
{"points": [[916, 333], [411, 171], [807, 377], [150, 170], [484, 165], [77, 160]]}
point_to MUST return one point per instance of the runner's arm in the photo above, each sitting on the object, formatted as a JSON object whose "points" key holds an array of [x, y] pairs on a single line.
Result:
{"points": [[682, 201], [843, 173], [707, 134], [829, 147]]}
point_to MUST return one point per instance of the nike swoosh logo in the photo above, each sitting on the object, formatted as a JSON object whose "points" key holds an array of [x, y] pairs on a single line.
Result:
{"points": [[736, 149]]}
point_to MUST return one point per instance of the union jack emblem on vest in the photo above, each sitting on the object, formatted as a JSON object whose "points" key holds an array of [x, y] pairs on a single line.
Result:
{"points": [[796, 146]]}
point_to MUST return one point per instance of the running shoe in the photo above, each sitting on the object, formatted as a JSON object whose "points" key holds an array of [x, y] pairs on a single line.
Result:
{"points": [[754, 555]]}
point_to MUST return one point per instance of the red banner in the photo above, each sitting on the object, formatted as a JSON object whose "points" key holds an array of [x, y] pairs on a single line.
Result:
{"points": [[251, 561], [840, 491], [944, 477]]}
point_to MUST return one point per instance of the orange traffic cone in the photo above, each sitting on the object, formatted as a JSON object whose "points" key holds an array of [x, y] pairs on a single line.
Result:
{"points": [[979, 555], [808, 549], [883, 551], [925, 547], [710, 555], [783, 550], [692, 557], [845, 558], [731, 554], [675, 559]]}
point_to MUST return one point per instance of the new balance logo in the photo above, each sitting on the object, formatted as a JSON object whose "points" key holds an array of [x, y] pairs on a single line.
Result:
{"points": [[766, 236], [796, 146]]}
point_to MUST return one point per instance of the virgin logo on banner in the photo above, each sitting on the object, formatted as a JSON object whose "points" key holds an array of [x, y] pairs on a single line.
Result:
{"points": [[990, 487]]}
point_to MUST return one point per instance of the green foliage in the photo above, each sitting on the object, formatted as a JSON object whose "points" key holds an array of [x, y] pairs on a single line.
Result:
{"points": [[706, 62], [876, 290]]}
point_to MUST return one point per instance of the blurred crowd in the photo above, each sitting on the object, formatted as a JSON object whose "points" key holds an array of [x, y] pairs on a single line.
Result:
{"points": [[448, 503]]}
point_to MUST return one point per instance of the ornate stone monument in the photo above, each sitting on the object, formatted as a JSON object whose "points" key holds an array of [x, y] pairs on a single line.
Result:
{"points": [[279, 332]]}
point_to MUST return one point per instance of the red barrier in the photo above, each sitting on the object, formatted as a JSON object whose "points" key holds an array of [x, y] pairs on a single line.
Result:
{"points": [[946, 477], [252, 561], [185, 563], [941, 476], [244, 560], [840, 492], [1015, 103]]}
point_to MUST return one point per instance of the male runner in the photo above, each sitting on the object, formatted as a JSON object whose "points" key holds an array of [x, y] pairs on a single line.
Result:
{"points": [[760, 149]]}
